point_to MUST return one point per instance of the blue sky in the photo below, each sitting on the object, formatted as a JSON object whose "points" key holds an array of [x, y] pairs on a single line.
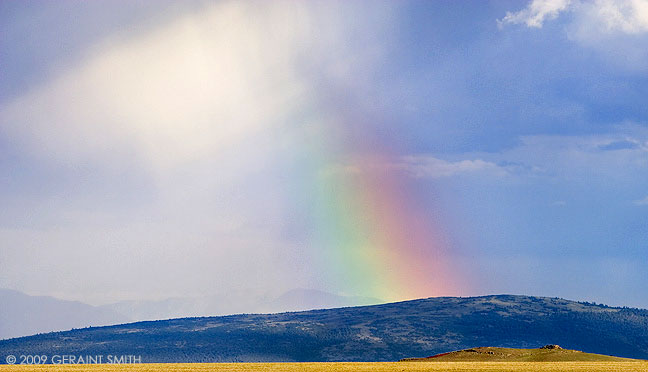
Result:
{"points": [[525, 125]]}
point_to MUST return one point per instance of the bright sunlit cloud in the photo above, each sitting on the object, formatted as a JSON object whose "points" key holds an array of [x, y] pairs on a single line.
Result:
{"points": [[184, 91], [201, 109]]}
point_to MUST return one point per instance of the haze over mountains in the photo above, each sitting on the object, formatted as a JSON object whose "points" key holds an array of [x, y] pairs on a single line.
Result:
{"points": [[24, 315], [387, 332], [238, 303]]}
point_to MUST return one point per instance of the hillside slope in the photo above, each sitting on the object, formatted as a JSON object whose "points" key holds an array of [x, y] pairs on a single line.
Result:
{"points": [[549, 353], [386, 332]]}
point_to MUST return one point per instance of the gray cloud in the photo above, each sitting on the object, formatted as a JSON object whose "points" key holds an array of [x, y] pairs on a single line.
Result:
{"points": [[620, 145], [544, 156], [426, 166], [641, 202]]}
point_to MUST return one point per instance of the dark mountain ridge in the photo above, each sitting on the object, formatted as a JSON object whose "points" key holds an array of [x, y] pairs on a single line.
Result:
{"points": [[387, 332]]}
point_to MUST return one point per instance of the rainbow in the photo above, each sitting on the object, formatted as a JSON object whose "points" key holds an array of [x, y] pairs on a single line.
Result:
{"points": [[371, 232]]}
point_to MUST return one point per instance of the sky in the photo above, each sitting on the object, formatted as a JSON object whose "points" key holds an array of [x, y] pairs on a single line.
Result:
{"points": [[396, 150]]}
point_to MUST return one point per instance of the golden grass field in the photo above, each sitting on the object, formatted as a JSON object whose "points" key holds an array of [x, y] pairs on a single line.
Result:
{"points": [[348, 367]]}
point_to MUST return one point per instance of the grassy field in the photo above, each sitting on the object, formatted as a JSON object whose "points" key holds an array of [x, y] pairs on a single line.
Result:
{"points": [[350, 367]]}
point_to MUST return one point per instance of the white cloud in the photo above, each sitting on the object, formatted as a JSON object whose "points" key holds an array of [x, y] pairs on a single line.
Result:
{"points": [[581, 157], [616, 155], [419, 166], [536, 13], [620, 154], [625, 16], [423, 166], [616, 29]]}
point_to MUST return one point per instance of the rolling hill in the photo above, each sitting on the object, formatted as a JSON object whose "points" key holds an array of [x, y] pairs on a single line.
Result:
{"points": [[548, 353], [387, 332]]}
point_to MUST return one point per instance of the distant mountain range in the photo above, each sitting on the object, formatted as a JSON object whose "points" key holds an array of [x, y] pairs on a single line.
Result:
{"points": [[294, 300], [387, 332], [24, 315]]}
